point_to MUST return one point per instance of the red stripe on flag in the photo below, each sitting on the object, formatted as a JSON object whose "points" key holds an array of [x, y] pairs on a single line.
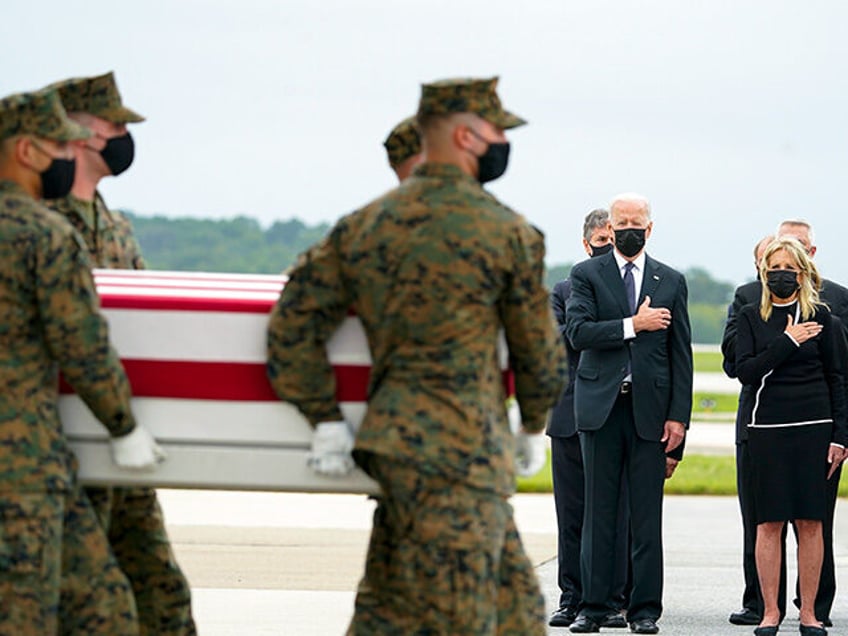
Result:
{"points": [[233, 381], [172, 303], [228, 381]]}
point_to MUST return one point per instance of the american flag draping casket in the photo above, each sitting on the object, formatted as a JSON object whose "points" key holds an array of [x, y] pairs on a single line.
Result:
{"points": [[193, 346]]}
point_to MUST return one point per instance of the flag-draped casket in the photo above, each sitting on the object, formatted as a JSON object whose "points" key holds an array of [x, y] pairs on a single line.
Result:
{"points": [[193, 346]]}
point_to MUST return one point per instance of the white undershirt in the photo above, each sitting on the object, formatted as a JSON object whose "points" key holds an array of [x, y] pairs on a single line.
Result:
{"points": [[638, 272]]}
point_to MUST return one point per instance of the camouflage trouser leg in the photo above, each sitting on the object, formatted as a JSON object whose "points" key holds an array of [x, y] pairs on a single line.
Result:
{"points": [[101, 503], [96, 597], [136, 531], [521, 606], [434, 563], [30, 562]]}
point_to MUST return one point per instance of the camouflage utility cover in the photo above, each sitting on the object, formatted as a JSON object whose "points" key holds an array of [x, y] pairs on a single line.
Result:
{"points": [[434, 270], [40, 114], [108, 234], [49, 312], [97, 96], [403, 142], [469, 95]]}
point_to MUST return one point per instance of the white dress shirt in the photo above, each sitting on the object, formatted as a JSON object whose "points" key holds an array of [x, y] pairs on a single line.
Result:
{"points": [[638, 272]]}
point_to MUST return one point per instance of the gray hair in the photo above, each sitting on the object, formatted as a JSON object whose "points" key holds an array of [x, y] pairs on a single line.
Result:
{"points": [[763, 242], [595, 220], [801, 222], [634, 198]]}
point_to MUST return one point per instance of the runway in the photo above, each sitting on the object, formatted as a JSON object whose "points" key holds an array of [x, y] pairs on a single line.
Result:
{"points": [[288, 564]]}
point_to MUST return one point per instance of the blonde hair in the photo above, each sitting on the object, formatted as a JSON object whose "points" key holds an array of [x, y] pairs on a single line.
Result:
{"points": [[810, 279]]}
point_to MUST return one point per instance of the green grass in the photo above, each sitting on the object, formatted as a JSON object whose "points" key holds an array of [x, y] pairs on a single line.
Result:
{"points": [[715, 403], [708, 362], [695, 475], [704, 475], [540, 482]]}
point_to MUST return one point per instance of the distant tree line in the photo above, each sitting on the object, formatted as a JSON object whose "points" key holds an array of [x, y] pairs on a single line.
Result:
{"points": [[228, 245], [241, 244]]}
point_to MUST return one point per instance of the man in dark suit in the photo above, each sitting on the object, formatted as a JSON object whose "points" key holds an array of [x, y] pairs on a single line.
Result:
{"points": [[836, 297], [567, 462], [627, 316]]}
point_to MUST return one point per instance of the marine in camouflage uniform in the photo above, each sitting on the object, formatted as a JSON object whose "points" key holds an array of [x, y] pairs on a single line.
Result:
{"points": [[403, 148], [50, 321], [131, 517], [434, 270]]}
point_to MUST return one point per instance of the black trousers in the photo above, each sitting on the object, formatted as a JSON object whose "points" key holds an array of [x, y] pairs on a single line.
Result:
{"points": [[751, 597], [611, 453], [567, 470]]}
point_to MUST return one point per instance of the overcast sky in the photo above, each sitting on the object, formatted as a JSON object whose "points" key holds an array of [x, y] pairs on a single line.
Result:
{"points": [[728, 115]]}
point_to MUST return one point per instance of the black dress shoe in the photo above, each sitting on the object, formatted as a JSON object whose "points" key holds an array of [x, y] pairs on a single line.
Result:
{"points": [[644, 626], [827, 622], [770, 630], [613, 619], [563, 617], [745, 616], [584, 625], [812, 630]]}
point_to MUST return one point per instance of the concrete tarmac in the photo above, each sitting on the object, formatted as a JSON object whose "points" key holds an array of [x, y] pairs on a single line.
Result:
{"points": [[288, 564]]}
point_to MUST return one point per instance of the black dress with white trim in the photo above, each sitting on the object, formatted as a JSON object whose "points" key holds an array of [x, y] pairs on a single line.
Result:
{"points": [[798, 411]]}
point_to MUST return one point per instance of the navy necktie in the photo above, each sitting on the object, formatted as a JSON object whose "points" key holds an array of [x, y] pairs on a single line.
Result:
{"points": [[630, 286]]}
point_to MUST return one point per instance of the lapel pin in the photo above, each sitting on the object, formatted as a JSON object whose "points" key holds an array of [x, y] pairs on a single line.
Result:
{"points": [[656, 277]]}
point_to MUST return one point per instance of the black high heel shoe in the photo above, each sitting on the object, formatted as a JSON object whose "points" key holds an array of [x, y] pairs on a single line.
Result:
{"points": [[771, 630], [812, 630]]}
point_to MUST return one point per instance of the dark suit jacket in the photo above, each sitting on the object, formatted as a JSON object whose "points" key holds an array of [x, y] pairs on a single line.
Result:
{"points": [[833, 294], [661, 361], [562, 423]]}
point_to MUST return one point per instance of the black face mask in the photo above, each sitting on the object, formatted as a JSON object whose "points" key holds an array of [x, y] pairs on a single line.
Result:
{"points": [[118, 153], [58, 179], [782, 282], [600, 251], [492, 163], [630, 241]]}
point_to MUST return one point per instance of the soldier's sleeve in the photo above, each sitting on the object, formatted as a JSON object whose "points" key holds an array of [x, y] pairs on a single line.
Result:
{"points": [[77, 334], [537, 354], [310, 309]]}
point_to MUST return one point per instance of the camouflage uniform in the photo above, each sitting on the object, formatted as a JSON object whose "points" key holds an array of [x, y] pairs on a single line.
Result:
{"points": [[403, 142], [131, 517], [434, 269], [50, 321]]}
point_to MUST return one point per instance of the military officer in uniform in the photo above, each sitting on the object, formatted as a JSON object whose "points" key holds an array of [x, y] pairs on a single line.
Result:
{"points": [[434, 269], [403, 147], [51, 322], [131, 517]]}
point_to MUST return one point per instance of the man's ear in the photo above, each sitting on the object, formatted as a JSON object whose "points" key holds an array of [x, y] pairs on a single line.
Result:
{"points": [[648, 230], [462, 137], [587, 247], [27, 154]]}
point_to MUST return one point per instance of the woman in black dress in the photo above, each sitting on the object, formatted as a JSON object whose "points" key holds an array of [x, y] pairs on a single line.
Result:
{"points": [[786, 350]]}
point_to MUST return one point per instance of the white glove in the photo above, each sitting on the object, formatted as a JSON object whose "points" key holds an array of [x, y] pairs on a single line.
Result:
{"points": [[530, 453], [331, 447], [137, 450]]}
